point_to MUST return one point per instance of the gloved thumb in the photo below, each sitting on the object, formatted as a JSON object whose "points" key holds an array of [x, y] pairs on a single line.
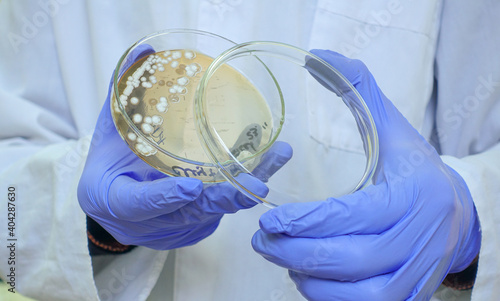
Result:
{"points": [[277, 156], [133, 200]]}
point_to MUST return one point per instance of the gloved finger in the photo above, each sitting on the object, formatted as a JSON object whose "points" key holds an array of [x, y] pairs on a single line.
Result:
{"points": [[372, 210], [132, 200], [215, 201], [182, 238], [225, 198], [166, 237], [375, 288], [277, 156], [342, 258], [410, 282]]}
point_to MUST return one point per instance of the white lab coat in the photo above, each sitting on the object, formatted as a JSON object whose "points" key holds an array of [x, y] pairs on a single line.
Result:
{"points": [[436, 60]]}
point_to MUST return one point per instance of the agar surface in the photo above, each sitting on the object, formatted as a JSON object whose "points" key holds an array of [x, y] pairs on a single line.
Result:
{"points": [[143, 77], [153, 112]]}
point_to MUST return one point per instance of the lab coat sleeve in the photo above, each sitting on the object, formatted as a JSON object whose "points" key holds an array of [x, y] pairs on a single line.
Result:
{"points": [[56, 59], [467, 120], [51, 253], [481, 172], [42, 153]]}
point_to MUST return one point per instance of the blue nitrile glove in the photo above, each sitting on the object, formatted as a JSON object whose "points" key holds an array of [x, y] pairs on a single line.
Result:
{"points": [[139, 205], [394, 240]]}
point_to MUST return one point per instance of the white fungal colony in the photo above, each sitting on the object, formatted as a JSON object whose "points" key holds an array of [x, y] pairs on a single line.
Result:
{"points": [[146, 77], [144, 148], [134, 100], [162, 106], [137, 118]]}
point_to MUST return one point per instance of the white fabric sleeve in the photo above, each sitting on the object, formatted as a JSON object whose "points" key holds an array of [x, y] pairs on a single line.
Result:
{"points": [[51, 253], [56, 60], [467, 123], [42, 157], [481, 172]]}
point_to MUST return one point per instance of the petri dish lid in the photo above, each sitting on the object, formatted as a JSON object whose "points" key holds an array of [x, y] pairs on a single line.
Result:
{"points": [[309, 109]]}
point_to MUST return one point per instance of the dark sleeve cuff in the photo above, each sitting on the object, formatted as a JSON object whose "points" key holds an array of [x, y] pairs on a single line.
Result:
{"points": [[101, 242], [463, 280]]}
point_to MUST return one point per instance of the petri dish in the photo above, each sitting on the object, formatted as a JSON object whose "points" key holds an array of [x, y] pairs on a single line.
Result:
{"points": [[192, 103], [320, 111], [153, 102]]}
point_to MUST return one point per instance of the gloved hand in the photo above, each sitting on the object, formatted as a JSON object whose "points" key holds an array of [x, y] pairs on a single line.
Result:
{"points": [[394, 240], [139, 205]]}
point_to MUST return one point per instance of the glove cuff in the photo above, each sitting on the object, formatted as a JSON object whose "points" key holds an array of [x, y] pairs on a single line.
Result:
{"points": [[463, 280], [101, 242]]}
